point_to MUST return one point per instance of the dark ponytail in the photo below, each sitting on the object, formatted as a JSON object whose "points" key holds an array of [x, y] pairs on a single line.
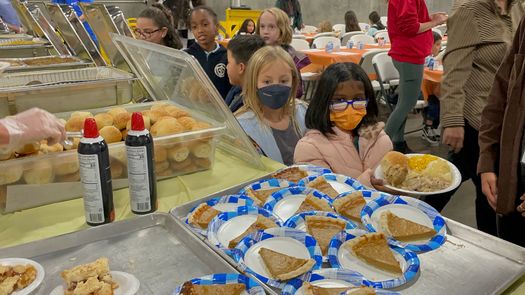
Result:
{"points": [[162, 17]]}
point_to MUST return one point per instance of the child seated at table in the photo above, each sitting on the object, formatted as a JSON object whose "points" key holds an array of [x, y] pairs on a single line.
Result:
{"points": [[431, 112], [344, 134], [210, 54], [271, 116], [375, 23], [325, 27], [247, 27], [240, 49], [274, 27]]}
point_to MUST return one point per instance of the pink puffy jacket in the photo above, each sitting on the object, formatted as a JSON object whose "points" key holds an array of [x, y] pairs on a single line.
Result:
{"points": [[337, 151]]}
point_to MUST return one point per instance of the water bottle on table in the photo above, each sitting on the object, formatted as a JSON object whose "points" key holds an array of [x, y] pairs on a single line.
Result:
{"points": [[350, 44], [431, 63]]}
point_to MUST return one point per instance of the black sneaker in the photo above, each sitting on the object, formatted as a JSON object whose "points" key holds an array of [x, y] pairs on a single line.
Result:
{"points": [[429, 135]]}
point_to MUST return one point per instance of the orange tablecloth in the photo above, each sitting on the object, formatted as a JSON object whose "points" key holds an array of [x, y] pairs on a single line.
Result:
{"points": [[431, 82]]}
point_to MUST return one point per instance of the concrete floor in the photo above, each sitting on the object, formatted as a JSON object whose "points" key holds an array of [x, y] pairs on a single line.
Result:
{"points": [[461, 206]]}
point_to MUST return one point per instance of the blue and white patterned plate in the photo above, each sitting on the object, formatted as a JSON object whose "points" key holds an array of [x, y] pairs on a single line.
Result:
{"points": [[223, 204], [329, 278], [311, 170], [411, 209], [340, 183], [266, 184], [252, 287], [368, 195], [284, 203], [340, 257], [227, 226], [298, 220], [285, 240]]}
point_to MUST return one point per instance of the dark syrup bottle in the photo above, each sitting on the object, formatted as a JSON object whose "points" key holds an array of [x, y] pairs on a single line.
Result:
{"points": [[141, 169], [95, 175]]}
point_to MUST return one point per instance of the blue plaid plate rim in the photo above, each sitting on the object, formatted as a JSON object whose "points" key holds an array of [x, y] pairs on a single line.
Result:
{"points": [[354, 184], [252, 287], [411, 260], [437, 220]]}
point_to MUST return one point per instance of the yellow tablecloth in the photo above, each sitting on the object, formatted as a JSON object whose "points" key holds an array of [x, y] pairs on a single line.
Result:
{"points": [[65, 217]]}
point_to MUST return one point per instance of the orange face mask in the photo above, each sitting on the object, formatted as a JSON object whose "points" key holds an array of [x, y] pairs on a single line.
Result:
{"points": [[348, 119]]}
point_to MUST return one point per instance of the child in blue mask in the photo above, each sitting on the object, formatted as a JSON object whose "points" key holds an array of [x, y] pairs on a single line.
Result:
{"points": [[271, 115]]}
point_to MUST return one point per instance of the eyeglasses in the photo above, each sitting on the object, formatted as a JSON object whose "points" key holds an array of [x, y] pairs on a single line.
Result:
{"points": [[145, 34], [342, 104]]}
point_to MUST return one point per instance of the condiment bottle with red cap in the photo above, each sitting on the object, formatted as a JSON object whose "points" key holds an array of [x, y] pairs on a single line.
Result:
{"points": [[95, 175], [141, 167]]}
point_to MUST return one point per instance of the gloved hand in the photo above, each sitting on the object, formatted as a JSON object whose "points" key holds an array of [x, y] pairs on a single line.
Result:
{"points": [[33, 125]]}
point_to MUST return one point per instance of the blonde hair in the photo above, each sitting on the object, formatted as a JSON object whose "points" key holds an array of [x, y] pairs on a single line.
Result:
{"points": [[283, 24], [325, 27], [261, 58]]}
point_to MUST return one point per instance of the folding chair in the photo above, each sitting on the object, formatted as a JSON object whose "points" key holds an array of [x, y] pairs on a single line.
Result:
{"points": [[346, 37], [363, 38], [320, 42], [300, 44]]}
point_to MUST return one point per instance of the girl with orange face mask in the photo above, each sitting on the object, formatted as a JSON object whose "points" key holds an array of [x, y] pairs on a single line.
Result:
{"points": [[344, 134]]}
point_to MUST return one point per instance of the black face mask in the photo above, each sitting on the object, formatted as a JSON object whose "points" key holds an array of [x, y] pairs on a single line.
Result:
{"points": [[274, 96]]}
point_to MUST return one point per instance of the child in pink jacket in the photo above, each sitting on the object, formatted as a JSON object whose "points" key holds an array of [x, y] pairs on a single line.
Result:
{"points": [[344, 134]]}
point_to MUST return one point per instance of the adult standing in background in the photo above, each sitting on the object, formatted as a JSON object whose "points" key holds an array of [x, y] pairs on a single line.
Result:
{"points": [[181, 13], [502, 144], [293, 9], [479, 33], [410, 32]]}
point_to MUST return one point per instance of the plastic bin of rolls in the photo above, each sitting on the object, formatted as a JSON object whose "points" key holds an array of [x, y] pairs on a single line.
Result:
{"points": [[184, 143]]}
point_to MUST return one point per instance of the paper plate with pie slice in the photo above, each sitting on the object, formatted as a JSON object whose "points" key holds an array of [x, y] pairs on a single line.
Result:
{"points": [[128, 284], [331, 281], [350, 204], [290, 201], [443, 168], [385, 266], [30, 270], [260, 191], [277, 255], [223, 283], [295, 173], [332, 184], [201, 215], [321, 225], [227, 229], [408, 222]]}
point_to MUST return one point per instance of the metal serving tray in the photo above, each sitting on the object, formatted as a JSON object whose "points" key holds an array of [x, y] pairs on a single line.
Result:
{"points": [[65, 90], [470, 261], [20, 64], [156, 248], [27, 51]]}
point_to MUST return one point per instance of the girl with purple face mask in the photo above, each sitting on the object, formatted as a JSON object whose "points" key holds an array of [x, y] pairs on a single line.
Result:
{"points": [[271, 116]]}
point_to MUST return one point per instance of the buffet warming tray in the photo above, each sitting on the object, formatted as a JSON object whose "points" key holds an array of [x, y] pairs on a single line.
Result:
{"points": [[469, 262], [65, 90], [60, 62], [157, 249]]}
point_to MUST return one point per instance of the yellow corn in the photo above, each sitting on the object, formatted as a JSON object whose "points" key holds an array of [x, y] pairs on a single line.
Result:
{"points": [[420, 163]]}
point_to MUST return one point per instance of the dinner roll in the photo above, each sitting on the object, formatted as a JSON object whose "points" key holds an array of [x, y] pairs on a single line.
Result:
{"points": [[124, 134], [47, 149], [39, 172], [178, 166], [6, 153], [159, 105], [178, 153], [395, 167], [164, 173], [73, 177], [199, 125], [187, 122], [111, 134], [155, 115], [81, 114], [103, 119], [66, 165], [166, 126], [28, 149], [161, 154], [161, 166], [121, 119], [175, 112], [201, 150], [202, 162], [75, 124], [11, 174], [115, 111]]}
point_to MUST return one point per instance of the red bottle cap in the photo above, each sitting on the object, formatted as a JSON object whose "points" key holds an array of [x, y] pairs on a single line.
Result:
{"points": [[90, 128], [137, 122]]}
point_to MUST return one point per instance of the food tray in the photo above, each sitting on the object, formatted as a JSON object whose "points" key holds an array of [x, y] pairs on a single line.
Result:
{"points": [[34, 42], [470, 261], [65, 90], [65, 186], [156, 248], [26, 51], [23, 64]]}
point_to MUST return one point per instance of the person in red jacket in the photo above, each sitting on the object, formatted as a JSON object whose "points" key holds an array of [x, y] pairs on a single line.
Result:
{"points": [[410, 32]]}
